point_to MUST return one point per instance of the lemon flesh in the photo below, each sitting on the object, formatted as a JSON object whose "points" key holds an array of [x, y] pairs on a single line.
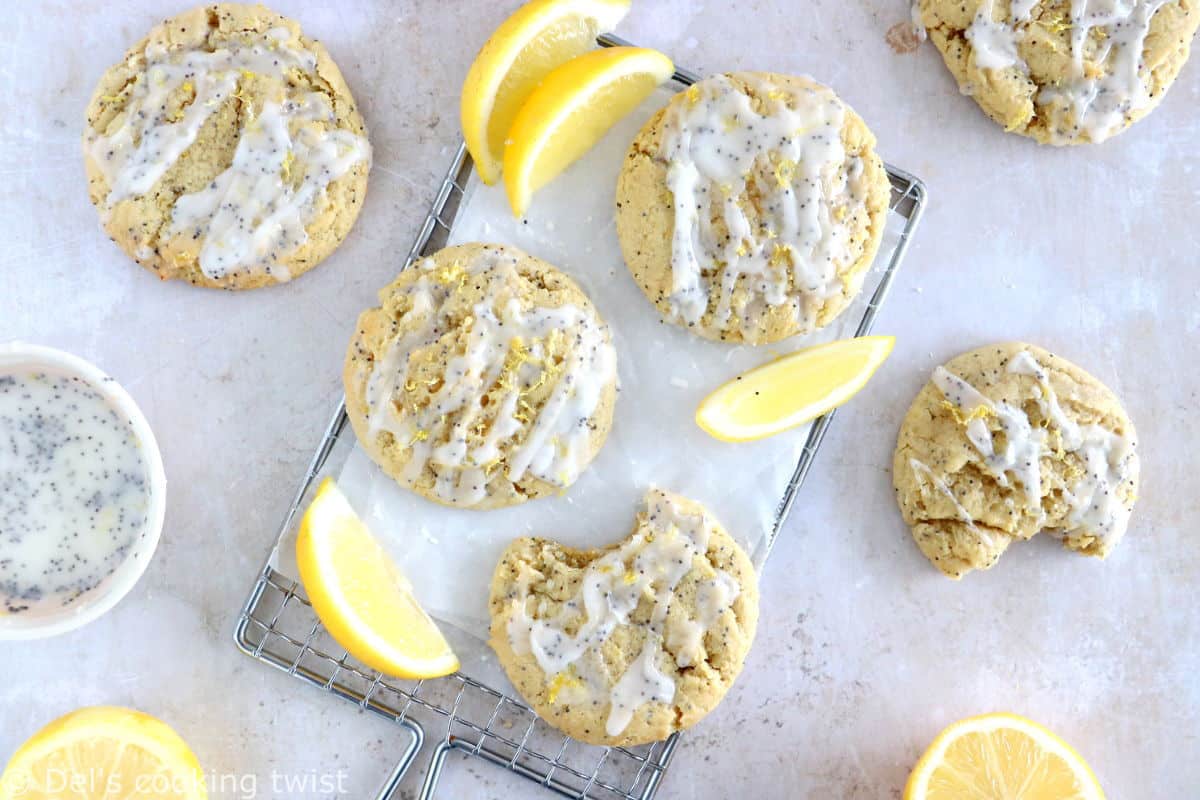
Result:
{"points": [[537, 38], [360, 595], [103, 751], [1001, 757], [572, 108], [792, 390]]}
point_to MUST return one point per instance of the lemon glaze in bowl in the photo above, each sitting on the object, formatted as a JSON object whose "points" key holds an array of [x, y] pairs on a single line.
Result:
{"points": [[82, 492]]}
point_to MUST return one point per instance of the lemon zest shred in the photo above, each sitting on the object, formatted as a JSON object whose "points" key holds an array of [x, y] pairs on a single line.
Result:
{"points": [[562, 680], [452, 273], [286, 167], [785, 170], [1073, 472], [781, 255], [979, 412]]}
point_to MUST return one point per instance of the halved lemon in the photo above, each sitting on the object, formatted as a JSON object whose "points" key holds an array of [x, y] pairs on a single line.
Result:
{"points": [[792, 390], [527, 46], [103, 751], [360, 595], [1001, 757], [571, 109]]}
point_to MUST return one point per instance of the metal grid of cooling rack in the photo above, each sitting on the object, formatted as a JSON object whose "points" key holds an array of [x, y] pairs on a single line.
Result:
{"points": [[278, 626]]}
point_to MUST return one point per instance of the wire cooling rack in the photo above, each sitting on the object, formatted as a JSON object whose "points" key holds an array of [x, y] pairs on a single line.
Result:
{"points": [[278, 626]]}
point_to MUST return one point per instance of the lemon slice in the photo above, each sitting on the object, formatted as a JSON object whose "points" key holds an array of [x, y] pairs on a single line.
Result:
{"points": [[103, 751], [998, 757], [362, 598], [527, 46], [571, 109], [792, 390]]}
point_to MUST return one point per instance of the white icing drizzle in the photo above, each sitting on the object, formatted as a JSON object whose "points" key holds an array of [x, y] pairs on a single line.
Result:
{"points": [[254, 212], [921, 469], [1023, 445], [994, 43], [1099, 106], [1022, 10], [1094, 104], [1108, 459], [642, 683], [650, 564], [686, 639], [918, 23], [716, 143], [444, 435], [257, 187]]}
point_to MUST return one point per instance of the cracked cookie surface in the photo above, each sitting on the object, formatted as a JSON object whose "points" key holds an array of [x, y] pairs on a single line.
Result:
{"points": [[627, 644], [751, 206], [1008, 441], [226, 150], [1063, 71], [483, 379]]}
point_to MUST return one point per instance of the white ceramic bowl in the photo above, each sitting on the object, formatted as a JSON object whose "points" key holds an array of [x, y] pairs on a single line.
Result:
{"points": [[40, 623]]}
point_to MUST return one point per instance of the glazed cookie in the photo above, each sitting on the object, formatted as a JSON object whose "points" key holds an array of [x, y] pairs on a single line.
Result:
{"points": [[225, 149], [750, 208], [630, 643], [1063, 71], [1005, 442], [485, 378]]}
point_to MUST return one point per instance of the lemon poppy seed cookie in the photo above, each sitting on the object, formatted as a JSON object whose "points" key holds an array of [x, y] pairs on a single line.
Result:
{"points": [[750, 208], [1008, 441], [1063, 71], [627, 644], [226, 150], [485, 378]]}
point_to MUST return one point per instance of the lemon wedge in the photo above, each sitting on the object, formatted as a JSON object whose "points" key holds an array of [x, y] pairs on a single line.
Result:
{"points": [[571, 109], [1001, 757], [362, 598], [103, 751], [792, 390], [527, 46]]}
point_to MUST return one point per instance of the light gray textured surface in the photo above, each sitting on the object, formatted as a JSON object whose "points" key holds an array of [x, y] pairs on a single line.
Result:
{"points": [[865, 652]]}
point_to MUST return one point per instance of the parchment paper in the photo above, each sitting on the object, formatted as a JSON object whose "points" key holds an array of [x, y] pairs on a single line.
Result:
{"points": [[664, 372]]}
